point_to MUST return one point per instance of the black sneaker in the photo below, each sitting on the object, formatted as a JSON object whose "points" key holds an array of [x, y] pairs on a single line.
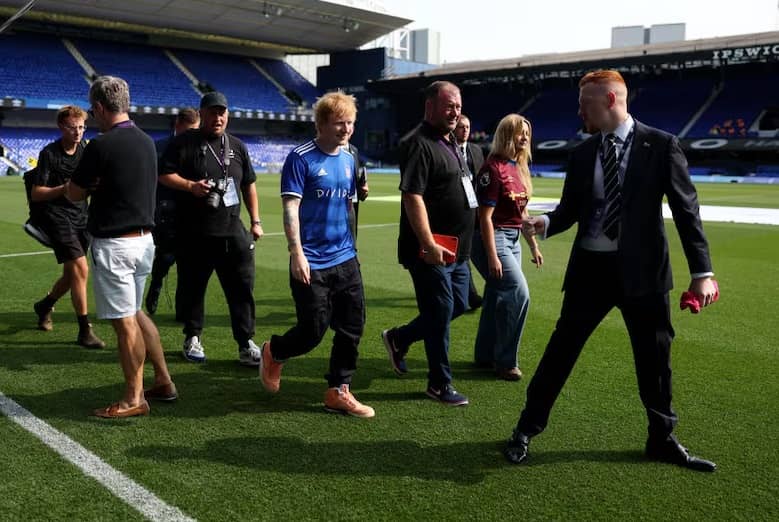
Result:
{"points": [[516, 449], [397, 353], [446, 394]]}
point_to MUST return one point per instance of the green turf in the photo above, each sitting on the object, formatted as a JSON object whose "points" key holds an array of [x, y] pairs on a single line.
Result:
{"points": [[229, 451]]}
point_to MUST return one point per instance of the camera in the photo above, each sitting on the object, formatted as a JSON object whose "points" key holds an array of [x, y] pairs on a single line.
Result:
{"points": [[214, 197]]}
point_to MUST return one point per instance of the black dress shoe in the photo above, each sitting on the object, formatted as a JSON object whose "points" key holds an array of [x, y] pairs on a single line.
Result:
{"points": [[671, 451], [516, 449], [474, 302]]}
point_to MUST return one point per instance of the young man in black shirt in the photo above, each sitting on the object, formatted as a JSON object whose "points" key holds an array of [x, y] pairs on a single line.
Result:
{"points": [[211, 170], [65, 223], [119, 172], [437, 198]]}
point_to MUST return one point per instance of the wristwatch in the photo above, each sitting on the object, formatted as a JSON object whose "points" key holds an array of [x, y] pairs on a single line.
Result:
{"points": [[257, 222]]}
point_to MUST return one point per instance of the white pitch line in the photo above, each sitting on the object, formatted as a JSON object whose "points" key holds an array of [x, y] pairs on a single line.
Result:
{"points": [[21, 254], [123, 487]]}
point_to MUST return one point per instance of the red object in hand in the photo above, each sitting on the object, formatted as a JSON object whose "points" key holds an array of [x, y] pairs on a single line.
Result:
{"points": [[690, 300]]}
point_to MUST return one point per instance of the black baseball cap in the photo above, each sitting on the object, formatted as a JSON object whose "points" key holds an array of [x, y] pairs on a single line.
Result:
{"points": [[213, 99]]}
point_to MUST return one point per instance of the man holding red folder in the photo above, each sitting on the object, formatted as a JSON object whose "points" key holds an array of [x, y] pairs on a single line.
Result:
{"points": [[436, 225]]}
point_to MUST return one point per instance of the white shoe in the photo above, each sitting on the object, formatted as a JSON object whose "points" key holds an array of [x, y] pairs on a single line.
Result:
{"points": [[193, 350], [250, 354]]}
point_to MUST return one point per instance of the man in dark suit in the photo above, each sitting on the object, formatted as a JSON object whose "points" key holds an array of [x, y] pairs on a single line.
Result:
{"points": [[613, 189], [474, 157]]}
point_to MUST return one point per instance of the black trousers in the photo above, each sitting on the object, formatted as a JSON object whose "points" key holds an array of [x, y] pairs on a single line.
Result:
{"points": [[233, 260], [593, 290], [334, 299]]}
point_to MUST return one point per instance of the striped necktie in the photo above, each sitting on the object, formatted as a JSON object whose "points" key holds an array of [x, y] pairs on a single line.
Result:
{"points": [[611, 187]]}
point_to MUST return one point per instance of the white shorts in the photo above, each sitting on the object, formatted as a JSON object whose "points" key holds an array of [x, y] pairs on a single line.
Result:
{"points": [[120, 267]]}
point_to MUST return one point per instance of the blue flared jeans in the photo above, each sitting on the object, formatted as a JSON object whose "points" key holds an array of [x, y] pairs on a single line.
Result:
{"points": [[506, 301]]}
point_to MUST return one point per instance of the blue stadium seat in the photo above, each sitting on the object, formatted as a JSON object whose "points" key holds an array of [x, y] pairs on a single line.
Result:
{"points": [[738, 105], [39, 69], [269, 151], [668, 104], [554, 114], [153, 78], [245, 87], [290, 79]]}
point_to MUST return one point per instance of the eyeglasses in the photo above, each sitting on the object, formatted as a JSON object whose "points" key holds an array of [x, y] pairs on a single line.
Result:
{"points": [[76, 128]]}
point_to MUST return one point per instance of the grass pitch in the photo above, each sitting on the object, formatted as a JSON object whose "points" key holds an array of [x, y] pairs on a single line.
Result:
{"points": [[229, 451]]}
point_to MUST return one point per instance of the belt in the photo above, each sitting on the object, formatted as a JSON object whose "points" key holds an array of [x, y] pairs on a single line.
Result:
{"points": [[137, 233]]}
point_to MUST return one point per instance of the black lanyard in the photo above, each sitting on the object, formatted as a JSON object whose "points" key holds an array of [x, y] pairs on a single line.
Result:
{"points": [[224, 157], [454, 152]]}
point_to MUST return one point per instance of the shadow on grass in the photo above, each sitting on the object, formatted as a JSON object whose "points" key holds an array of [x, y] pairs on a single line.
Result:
{"points": [[465, 463], [462, 463], [214, 389]]}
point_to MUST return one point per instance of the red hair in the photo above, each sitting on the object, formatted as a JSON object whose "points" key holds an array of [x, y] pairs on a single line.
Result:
{"points": [[601, 76]]}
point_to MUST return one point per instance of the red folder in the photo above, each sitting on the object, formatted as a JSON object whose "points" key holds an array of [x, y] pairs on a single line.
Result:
{"points": [[448, 242]]}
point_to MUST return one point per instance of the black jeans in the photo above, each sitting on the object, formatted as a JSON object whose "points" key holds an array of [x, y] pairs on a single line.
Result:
{"points": [[593, 290], [334, 299], [233, 260]]}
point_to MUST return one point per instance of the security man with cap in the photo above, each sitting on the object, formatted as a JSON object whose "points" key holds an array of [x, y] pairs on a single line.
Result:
{"points": [[211, 170]]}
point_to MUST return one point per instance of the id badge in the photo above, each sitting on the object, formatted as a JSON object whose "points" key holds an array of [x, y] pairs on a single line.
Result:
{"points": [[231, 195], [469, 192]]}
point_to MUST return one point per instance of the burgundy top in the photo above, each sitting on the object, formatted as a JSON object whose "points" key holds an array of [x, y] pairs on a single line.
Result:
{"points": [[498, 185]]}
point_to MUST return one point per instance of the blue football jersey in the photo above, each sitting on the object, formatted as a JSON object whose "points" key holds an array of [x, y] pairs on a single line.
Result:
{"points": [[325, 184]]}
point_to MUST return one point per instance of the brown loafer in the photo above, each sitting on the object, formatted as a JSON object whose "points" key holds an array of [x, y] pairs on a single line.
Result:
{"points": [[162, 392], [44, 317], [88, 339], [115, 411], [509, 374]]}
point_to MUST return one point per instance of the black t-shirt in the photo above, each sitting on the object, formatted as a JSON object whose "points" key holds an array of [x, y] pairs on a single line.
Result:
{"points": [[54, 168], [195, 156], [163, 193], [432, 167], [119, 167]]}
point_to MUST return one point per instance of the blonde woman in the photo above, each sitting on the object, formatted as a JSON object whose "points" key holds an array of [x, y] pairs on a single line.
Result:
{"points": [[503, 187]]}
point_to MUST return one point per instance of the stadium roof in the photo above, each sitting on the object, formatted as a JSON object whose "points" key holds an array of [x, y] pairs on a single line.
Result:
{"points": [[600, 55], [290, 26]]}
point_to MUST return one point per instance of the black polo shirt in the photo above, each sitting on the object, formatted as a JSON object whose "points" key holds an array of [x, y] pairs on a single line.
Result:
{"points": [[54, 168], [196, 156], [432, 167], [119, 167]]}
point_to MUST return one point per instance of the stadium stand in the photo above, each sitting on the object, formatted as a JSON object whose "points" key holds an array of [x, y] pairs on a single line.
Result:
{"points": [[741, 101], [486, 104], [23, 145], [554, 114], [144, 68], [39, 69], [246, 88], [290, 79], [669, 103], [267, 153]]}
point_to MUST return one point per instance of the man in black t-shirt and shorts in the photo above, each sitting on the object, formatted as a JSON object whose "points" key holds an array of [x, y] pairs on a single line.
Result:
{"points": [[119, 170], [65, 222], [211, 170]]}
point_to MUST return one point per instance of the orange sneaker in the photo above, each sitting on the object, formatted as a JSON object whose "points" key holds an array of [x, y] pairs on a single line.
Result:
{"points": [[270, 370], [341, 400]]}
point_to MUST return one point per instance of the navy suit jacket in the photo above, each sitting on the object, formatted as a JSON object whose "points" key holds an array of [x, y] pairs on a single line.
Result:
{"points": [[656, 167]]}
